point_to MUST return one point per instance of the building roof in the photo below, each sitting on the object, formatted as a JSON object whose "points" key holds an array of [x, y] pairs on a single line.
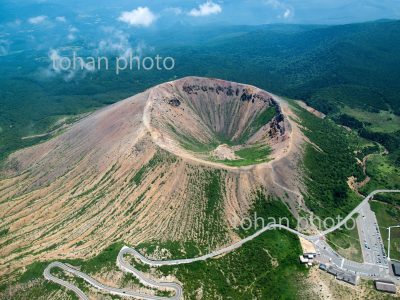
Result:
{"points": [[349, 278], [342, 275], [396, 268], [385, 286], [303, 259], [334, 271]]}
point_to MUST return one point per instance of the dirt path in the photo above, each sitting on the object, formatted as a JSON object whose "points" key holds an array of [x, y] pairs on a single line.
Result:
{"points": [[352, 181]]}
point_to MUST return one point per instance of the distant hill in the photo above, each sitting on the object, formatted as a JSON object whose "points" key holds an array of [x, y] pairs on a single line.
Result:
{"points": [[356, 64]]}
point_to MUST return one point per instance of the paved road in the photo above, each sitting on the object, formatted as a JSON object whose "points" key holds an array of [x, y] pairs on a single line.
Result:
{"points": [[126, 267], [325, 251], [64, 283], [106, 288], [372, 246], [329, 256], [228, 249]]}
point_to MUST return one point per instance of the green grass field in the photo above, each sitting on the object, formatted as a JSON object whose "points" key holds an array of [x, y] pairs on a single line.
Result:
{"points": [[382, 121], [251, 155], [395, 243], [346, 242], [388, 215]]}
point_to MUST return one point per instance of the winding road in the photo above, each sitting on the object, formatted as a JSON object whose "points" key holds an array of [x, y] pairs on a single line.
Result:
{"points": [[126, 267], [108, 289]]}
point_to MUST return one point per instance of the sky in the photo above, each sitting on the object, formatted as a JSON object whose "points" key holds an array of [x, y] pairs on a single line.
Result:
{"points": [[245, 12], [124, 26]]}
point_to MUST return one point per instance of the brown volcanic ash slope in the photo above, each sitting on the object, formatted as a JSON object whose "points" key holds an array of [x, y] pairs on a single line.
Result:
{"points": [[129, 172]]}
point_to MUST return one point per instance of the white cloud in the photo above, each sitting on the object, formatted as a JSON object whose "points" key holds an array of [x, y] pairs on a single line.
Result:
{"points": [[117, 43], [287, 11], [71, 34], [37, 20], [140, 17], [206, 9], [58, 67], [61, 19]]}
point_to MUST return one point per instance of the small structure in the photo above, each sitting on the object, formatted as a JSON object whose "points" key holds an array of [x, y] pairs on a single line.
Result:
{"points": [[396, 268], [385, 286], [309, 252], [310, 255], [303, 260]]}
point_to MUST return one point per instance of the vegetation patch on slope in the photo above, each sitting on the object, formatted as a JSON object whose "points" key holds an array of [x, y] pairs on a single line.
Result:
{"points": [[384, 175], [259, 121], [161, 156], [207, 188], [265, 268], [265, 210], [249, 155], [328, 167]]}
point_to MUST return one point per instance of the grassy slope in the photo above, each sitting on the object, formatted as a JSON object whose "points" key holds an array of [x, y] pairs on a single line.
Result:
{"points": [[269, 210], [382, 127], [328, 168], [346, 242], [255, 271], [97, 266], [383, 173]]}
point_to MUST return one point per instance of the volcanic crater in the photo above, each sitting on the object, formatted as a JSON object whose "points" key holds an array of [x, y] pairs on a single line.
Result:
{"points": [[216, 121], [182, 161]]}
